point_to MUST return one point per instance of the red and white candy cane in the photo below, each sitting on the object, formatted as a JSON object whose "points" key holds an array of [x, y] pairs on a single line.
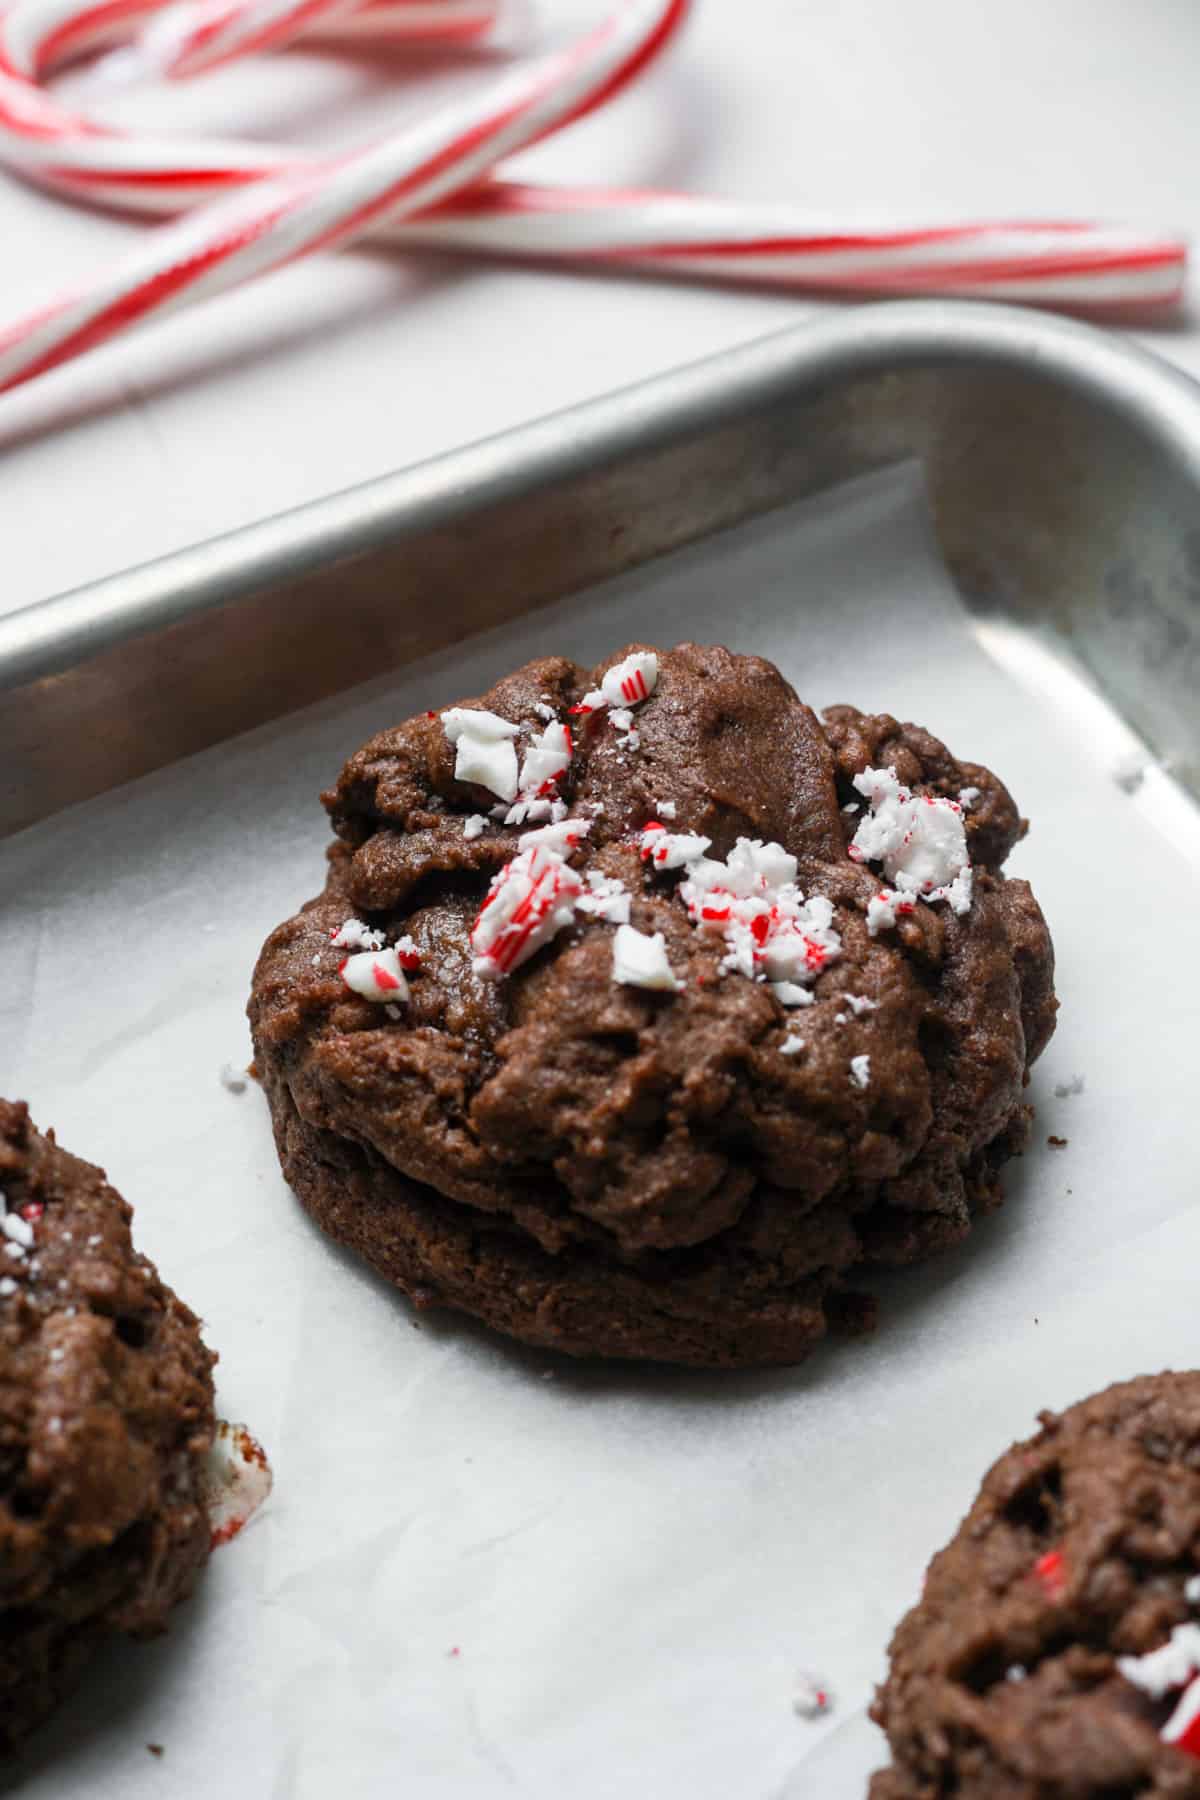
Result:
{"points": [[285, 216], [431, 186]]}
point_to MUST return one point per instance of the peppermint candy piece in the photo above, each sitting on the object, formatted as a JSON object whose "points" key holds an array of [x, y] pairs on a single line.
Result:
{"points": [[665, 849], [354, 935], [375, 975], [631, 681], [920, 840], [562, 838], [547, 759], [484, 751], [641, 961], [235, 1479], [607, 898], [529, 901]]}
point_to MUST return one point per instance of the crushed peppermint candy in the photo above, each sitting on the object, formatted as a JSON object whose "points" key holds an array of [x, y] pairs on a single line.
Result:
{"points": [[639, 960], [534, 806], [547, 761], [921, 842], [968, 796], [1171, 1666], [354, 935], [752, 901], [544, 710], [884, 908], [18, 1230], [1191, 1590], [666, 808], [607, 898], [235, 1479], [665, 849], [621, 719], [860, 1071], [484, 750], [8, 1286], [626, 684], [860, 1004], [530, 900], [1015, 1672], [792, 1046], [1176, 1665], [16, 1251], [812, 1697], [474, 826], [563, 838], [233, 1079], [790, 993], [375, 975]]}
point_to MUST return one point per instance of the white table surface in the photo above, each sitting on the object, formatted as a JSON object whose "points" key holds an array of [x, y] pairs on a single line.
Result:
{"points": [[354, 364]]}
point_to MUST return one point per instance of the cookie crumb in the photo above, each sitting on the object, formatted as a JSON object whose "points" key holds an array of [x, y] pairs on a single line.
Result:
{"points": [[1057, 1143], [155, 1749]]}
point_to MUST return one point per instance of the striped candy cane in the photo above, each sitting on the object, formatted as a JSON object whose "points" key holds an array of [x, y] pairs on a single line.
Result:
{"points": [[432, 186]]}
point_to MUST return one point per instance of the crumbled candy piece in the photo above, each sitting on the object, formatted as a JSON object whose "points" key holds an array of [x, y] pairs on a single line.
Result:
{"points": [[1015, 1672], [233, 1078], [1051, 1571], [547, 760], [410, 956], [641, 961], [1065, 1090], [751, 900], [665, 808], [544, 710], [7, 1286], [376, 975], [1191, 1590], [860, 1003], [1183, 1727], [354, 935], [18, 1230], [1171, 1666], [790, 993], [920, 840], [968, 796], [668, 849], [592, 702], [860, 1071], [474, 826], [530, 899], [16, 1251], [607, 898], [884, 908], [812, 1697], [631, 681], [484, 751], [621, 719], [235, 1479], [564, 837], [791, 1046]]}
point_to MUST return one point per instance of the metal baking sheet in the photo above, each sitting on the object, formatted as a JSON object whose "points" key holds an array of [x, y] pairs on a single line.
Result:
{"points": [[485, 1571], [1063, 471]]}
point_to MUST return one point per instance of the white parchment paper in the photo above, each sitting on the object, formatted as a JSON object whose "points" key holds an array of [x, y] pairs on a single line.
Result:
{"points": [[486, 1571]]}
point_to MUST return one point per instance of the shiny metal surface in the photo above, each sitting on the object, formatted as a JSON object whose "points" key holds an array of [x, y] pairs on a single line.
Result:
{"points": [[1063, 470]]}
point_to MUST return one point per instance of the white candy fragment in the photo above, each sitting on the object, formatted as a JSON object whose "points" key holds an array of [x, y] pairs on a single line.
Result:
{"points": [[920, 840], [630, 681], [1191, 1590], [235, 1479], [607, 898], [18, 1230], [529, 901], [474, 826], [860, 1004], [563, 838], [665, 809], [665, 849], [621, 719], [812, 1697], [641, 961], [1171, 1666], [968, 796], [547, 760], [376, 975], [354, 935], [791, 1046], [790, 993], [860, 1071], [485, 753], [233, 1078], [8, 1286], [752, 901]]}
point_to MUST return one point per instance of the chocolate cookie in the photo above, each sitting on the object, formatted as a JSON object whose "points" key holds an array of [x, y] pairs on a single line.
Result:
{"points": [[640, 1006], [106, 1412], [1055, 1650]]}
